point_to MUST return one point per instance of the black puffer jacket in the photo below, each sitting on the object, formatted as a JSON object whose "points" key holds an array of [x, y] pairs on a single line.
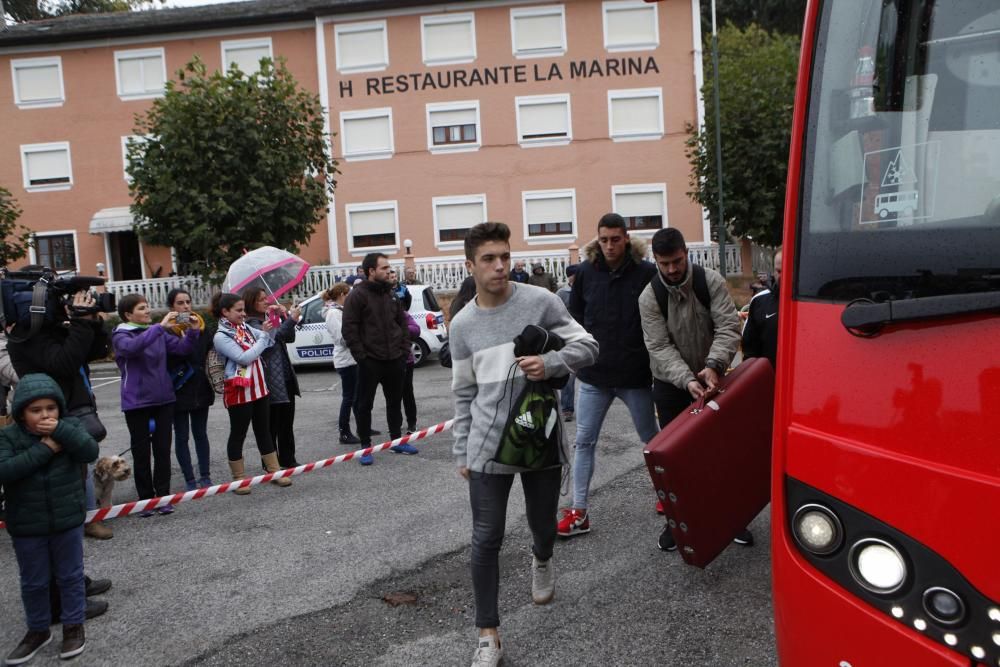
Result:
{"points": [[197, 392], [606, 303], [374, 324], [60, 351], [44, 490]]}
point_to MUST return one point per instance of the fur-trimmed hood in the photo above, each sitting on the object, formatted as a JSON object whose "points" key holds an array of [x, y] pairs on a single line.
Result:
{"points": [[592, 251]]}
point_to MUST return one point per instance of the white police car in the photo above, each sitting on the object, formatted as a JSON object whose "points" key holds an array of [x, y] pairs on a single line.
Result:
{"points": [[314, 345]]}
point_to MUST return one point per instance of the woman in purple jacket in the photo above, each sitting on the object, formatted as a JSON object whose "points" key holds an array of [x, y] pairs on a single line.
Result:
{"points": [[141, 349]]}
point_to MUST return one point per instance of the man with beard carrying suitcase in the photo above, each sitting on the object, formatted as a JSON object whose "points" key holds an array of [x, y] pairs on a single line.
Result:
{"points": [[692, 330]]}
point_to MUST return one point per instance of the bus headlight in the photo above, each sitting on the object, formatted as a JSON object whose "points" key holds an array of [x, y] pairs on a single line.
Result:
{"points": [[877, 566], [817, 529]]}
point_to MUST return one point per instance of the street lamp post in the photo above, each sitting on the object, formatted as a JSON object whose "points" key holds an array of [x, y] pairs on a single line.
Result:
{"points": [[718, 145]]}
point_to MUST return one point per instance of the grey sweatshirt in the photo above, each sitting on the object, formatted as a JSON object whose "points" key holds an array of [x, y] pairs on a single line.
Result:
{"points": [[482, 354]]}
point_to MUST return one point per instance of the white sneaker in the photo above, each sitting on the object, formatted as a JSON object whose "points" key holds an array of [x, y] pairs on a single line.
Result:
{"points": [[489, 653], [543, 580]]}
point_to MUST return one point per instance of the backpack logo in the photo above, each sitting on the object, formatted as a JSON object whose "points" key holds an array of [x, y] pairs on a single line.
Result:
{"points": [[524, 420]]}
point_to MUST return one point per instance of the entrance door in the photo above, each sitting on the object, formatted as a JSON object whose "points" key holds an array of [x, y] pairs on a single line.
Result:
{"points": [[126, 258]]}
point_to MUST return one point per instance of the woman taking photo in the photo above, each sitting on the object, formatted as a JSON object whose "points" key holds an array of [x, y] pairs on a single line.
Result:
{"points": [[245, 394], [343, 361], [194, 396], [282, 384], [141, 350]]}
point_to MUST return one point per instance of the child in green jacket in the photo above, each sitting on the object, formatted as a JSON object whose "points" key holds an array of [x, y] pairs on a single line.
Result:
{"points": [[41, 455]]}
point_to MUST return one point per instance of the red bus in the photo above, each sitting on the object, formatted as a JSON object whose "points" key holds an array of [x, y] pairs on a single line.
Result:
{"points": [[886, 458]]}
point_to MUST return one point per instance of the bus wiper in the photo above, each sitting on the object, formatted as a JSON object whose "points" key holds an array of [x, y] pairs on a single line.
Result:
{"points": [[865, 318]]}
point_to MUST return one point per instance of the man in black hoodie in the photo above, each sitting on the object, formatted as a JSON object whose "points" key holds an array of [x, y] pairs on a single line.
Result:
{"points": [[760, 334], [375, 329], [605, 300]]}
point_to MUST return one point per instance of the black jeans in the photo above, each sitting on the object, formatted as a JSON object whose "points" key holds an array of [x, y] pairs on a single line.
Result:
{"points": [[155, 482], [348, 389], [409, 400], [240, 417], [372, 373], [282, 431], [488, 495], [669, 400]]}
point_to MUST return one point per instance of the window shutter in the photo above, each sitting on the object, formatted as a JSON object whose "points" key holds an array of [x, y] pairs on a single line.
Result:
{"points": [[47, 166], [459, 216], [364, 135], [367, 223], [549, 210], [362, 48], [38, 84], [247, 58], [635, 115], [632, 26], [538, 33], [453, 117], [544, 119], [638, 204], [448, 41]]}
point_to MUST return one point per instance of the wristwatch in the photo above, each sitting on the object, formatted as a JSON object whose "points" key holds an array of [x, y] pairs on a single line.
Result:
{"points": [[716, 366]]}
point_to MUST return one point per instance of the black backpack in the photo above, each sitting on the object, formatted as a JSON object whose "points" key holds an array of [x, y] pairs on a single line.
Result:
{"points": [[699, 283]]}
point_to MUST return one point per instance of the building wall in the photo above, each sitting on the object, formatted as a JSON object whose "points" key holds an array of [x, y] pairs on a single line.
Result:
{"points": [[93, 119]]}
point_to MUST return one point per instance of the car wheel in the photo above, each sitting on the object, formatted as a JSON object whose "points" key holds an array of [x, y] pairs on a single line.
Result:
{"points": [[420, 352]]}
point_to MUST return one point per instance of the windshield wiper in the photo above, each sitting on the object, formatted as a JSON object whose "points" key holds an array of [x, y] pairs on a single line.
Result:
{"points": [[864, 317]]}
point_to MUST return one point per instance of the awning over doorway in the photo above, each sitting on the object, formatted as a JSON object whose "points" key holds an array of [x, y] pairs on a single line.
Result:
{"points": [[107, 220]]}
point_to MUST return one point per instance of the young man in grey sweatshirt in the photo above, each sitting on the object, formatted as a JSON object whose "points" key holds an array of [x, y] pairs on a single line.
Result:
{"points": [[486, 380]]}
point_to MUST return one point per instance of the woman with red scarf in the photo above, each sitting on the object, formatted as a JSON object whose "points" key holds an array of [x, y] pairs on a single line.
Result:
{"points": [[245, 394]]}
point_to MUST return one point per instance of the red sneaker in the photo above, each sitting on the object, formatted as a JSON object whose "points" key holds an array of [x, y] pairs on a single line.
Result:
{"points": [[659, 507], [573, 522]]}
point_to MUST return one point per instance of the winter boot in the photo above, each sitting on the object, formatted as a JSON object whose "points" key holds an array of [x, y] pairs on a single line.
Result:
{"points": [[239, 473], [271, 465]]}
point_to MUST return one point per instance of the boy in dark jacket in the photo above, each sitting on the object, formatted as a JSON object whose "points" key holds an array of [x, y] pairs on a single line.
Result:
{"points": [[40, 458]]}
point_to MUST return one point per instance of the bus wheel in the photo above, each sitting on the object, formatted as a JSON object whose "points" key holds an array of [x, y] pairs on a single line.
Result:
{"points": [[884, 212]]}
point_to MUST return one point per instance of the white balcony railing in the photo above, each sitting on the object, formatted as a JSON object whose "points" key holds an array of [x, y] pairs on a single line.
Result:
{"points": [[442, 274]]}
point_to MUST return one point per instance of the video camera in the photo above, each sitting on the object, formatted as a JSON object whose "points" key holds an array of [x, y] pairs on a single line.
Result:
{"points": [[39, 291]]}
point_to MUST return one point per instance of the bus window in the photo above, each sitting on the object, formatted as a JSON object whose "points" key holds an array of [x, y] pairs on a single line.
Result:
{"points": [[903, 152]]}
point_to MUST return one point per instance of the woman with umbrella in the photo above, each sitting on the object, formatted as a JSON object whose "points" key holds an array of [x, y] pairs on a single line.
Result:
{"points": [[281, 381]]}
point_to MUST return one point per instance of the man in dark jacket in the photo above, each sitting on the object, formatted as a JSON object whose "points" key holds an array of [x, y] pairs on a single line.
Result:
{"points": [[605, 301], [760, 334], [375, 329], [518, 274], [542, 278]]}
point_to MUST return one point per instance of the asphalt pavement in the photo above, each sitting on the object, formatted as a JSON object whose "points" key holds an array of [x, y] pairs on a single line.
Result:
{"points": [[370, 565]]}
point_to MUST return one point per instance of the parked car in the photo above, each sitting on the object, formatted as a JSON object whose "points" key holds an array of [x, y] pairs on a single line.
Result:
{"points": [[313, 344]]}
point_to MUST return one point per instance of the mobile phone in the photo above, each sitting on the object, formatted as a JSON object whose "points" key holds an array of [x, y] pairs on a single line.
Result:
{"points": [[272, 317], [183, 318]]}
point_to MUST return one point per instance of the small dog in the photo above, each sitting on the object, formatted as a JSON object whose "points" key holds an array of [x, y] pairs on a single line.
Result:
{"points": [[107, 471]]}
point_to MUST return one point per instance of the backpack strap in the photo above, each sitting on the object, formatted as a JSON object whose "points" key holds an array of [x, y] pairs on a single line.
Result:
{"points": [[699, 284], [38, 297]]}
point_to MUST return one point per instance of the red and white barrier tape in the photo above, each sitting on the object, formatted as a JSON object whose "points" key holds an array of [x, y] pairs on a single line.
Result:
{"points": [[142, 505]]}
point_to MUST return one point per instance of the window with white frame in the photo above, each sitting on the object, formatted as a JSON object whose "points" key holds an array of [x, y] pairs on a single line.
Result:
{"points": [[635, 114], [549, 213], [644, 207], [373, 225], [367, 134], [448, 39], [246, 53], [630, 25], [455, 216], [56, 251], [453, 126], [362, 47], [538, 31], [138, 140], [140, 73], [37, 82], [544, 120], [46, 166]]}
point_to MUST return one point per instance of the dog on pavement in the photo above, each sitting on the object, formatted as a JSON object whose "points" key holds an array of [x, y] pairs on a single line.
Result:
{"points": [[107, 471]]}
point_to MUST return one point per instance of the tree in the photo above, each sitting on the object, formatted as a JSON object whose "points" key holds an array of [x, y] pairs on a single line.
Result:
{"points": [[230, 162], [20, 11], [757, 73], [784, 16], [16, 238]]}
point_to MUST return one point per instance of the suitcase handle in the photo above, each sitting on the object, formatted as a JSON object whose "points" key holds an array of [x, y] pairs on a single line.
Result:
{"points": [[705, 398]]}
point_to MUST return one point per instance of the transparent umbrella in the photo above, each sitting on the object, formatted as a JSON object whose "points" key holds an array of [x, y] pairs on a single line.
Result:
{"points": [[275, 271]]}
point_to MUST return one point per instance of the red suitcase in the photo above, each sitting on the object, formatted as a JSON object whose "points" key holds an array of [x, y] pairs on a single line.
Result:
{"points": [[711, 465]]}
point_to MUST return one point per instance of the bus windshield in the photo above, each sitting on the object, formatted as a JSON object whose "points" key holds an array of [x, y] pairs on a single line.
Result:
{"points": [[901, 169]]}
